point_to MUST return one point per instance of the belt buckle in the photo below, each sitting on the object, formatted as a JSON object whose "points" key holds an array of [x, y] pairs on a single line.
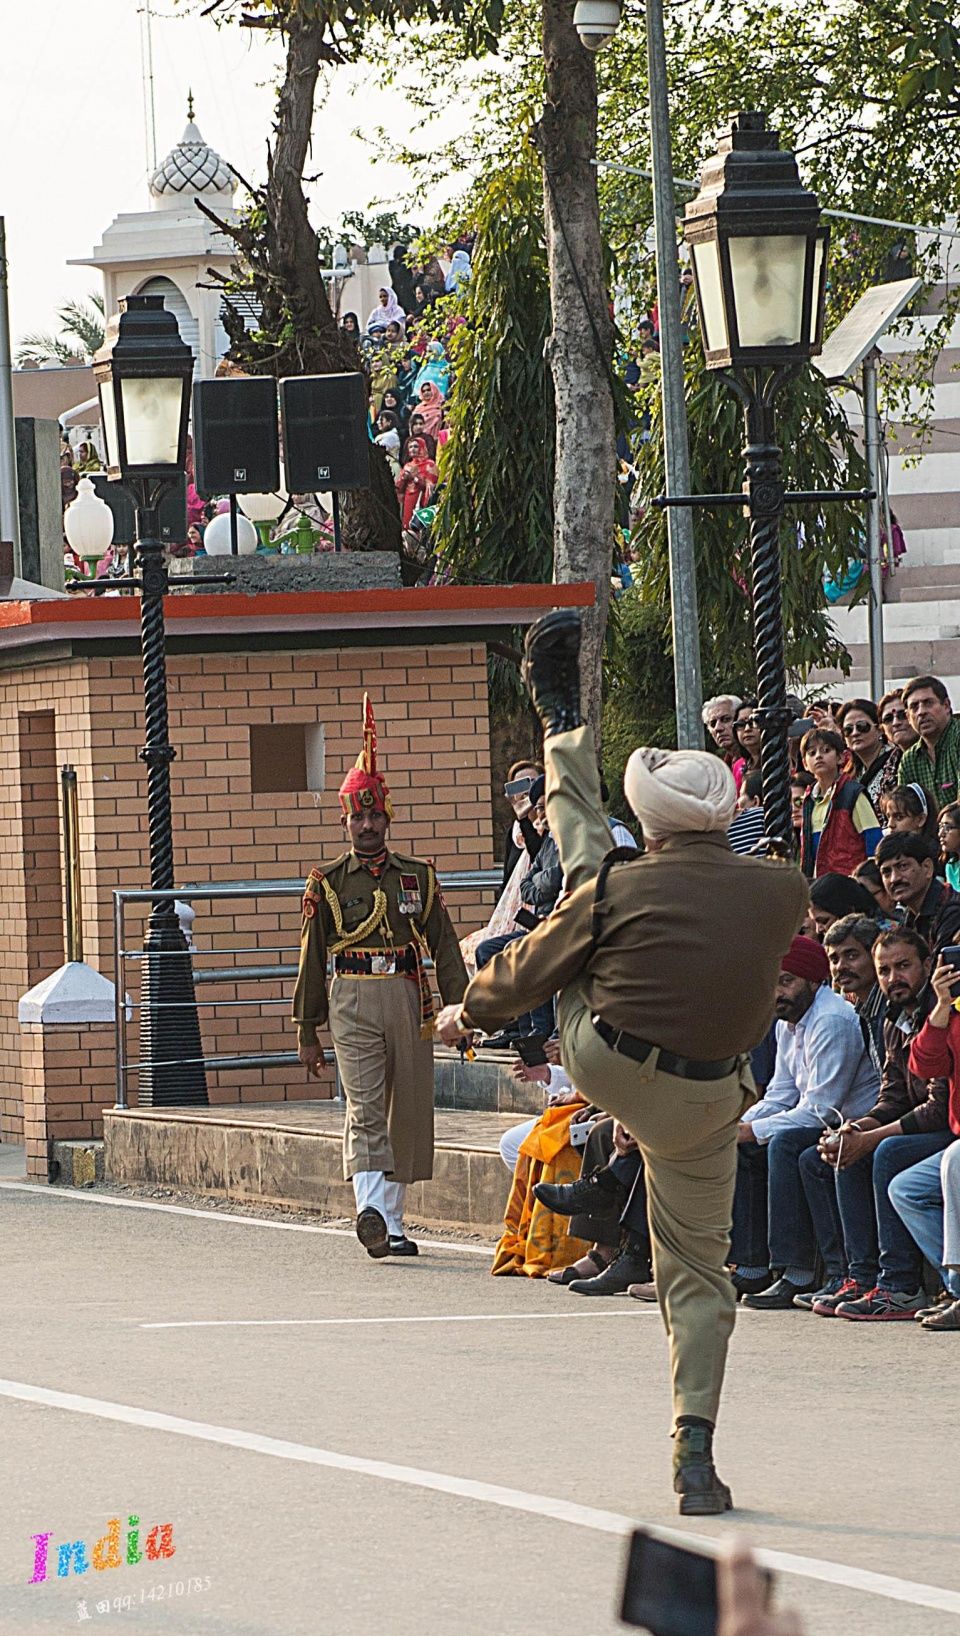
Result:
{"points": [[383, 965]]}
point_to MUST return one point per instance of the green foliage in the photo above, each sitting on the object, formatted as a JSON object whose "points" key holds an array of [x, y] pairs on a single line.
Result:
{"points": [[494, 520], [819, 452], [928, 55], [344, 24], [356, 227], [638, 707], [79, 337]]}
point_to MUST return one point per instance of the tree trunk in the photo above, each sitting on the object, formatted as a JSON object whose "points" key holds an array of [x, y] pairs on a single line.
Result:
{"points": [[280, 248], [580, 347]]}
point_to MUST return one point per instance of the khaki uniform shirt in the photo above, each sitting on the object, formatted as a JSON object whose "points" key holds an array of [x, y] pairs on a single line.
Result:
{"points": [[687, 956], [414, 905]]}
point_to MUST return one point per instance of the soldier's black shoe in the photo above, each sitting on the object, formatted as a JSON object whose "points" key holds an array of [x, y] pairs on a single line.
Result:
{"points": [[695, 1479], [372, 1233], [551, 670], [778, 1298], [402, 1245], [629, 1267], [597, 1195]]}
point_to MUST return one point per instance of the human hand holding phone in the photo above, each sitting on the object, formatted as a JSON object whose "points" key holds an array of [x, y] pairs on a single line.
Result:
{"points": [[743, 1595]]}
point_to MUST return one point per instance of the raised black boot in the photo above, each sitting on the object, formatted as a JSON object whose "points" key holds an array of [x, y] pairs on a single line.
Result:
{"points": [[551, 670], [695, 1479], [597, 1195]]}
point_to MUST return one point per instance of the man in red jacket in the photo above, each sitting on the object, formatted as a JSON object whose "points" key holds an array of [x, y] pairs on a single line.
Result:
{"points": [[917, 1194]]}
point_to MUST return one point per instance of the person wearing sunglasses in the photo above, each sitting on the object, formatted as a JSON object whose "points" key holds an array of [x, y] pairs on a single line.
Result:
{"points": [[875, 761], [897, 728]]}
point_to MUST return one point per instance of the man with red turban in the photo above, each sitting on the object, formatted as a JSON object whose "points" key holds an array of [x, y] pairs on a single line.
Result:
{"points": [[378, 915]]}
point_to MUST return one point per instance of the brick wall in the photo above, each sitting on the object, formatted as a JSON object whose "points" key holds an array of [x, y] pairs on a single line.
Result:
{"points": [[66, 1077], [431, 707]]}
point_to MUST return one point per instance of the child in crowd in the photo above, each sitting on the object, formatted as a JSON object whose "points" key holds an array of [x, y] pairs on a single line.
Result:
{"points": [[906, 811], [949, 836]]}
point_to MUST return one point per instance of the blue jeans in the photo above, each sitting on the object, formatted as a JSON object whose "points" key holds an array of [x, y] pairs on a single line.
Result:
{"points": [[772, 1225], [917, 1197], [540, 1021], [819, 1188], [874, 1234]]}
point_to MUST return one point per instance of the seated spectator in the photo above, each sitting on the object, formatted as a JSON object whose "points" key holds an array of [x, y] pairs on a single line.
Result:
{"points": [[539, 890], [608, 1202], [840, 827], [849, 944], [534, 1241], [934, 762], [868, 874], [906, 811], [875, 761], [832, 897], [746, 831], [874, 1274], [719, 715], [823, 1074], [560, 1093], [920, 900], [918, 1195], [948, 834]]}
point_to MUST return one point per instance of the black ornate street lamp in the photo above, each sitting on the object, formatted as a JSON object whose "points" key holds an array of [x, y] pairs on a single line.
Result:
{"points": [[760, 263], [144, 373]]}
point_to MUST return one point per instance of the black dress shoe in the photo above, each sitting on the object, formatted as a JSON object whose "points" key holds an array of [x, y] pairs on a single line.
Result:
{"points": [[778, 1298], [629, 1267], [372, 1233], [695, 1479], [597, 1195], [752, 1286], [551, 670], [402, 1245]]}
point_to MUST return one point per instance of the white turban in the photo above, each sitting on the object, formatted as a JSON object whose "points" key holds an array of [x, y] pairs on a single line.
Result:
{"points": [[672, 791]]}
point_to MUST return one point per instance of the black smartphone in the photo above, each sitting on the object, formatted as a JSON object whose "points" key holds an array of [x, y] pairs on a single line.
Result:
{"points": [[530, 1050], [670, 1590], [951, 957], [518, 786]]}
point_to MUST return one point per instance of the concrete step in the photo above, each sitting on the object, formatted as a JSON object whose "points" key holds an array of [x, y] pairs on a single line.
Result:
{"points": [[485, 1085], [943, 574], [289, 1153]]}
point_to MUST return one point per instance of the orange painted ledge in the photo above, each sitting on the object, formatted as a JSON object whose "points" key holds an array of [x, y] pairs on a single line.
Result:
{"points": [[472, 601]]}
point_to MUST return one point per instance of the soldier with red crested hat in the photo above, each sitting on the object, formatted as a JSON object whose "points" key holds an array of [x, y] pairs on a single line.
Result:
{"points": [[378, 915]]}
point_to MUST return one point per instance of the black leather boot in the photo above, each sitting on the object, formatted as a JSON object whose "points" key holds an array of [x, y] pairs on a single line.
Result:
{"points": [[551, 670], [695, 1479], [597, 1195], [631, 1266]]}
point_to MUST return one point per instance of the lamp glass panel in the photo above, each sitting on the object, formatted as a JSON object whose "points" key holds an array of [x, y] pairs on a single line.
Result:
{"points": [[767, 276], [152, 407], [108, 419], [819, 250], [713, 317]]}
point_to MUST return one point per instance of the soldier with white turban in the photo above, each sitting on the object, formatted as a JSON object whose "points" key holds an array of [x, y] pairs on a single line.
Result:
{"points": [[666, 967]]}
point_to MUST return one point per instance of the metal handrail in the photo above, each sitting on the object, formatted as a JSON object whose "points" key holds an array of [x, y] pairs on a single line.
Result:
{"points": [[464, 880]]}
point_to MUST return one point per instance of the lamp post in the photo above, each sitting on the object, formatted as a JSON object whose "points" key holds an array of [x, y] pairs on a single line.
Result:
{"points": [[143, 373], [759, 262]]}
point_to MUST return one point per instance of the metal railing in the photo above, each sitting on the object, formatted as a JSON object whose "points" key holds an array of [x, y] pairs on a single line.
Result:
{"points": [[467, 880]]}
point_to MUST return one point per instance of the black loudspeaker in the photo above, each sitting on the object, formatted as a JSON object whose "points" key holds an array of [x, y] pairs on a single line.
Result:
{"points": [[326, 443], [172, 513], [236, 447]]}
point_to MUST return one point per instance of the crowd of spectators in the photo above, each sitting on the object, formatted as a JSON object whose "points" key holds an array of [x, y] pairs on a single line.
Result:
{"points": [[847, 1201]]}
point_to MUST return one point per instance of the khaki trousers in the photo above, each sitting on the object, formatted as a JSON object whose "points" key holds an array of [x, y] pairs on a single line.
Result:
{"points": [[686, 1129], [386, 1071]]}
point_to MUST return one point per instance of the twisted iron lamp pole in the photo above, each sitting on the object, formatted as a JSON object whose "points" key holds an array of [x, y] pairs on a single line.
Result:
{"points": [[172, 1070]]}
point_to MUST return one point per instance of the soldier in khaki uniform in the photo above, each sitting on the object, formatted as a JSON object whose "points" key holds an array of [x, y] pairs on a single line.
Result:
{"points": [[666, 966], [378, 915]]}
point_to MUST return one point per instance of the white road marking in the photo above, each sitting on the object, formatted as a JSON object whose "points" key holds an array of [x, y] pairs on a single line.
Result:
{"points": [[511, 1499], [38, 1190], [439, 1318]]}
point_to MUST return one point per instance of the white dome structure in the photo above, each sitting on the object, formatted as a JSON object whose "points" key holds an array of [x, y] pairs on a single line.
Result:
{"points": [[191, 168]]}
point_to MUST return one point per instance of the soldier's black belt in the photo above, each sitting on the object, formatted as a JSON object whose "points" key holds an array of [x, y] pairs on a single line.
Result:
{"points": [[668, 1062], [376, 962]]}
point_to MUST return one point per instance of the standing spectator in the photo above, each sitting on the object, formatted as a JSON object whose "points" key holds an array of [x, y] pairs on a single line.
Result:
{"points": [[746, 831], [875, 762], [832, 897], [800, 783], [746, 742], [840, 827], [416, 481], [719, 715], [895, 722], [935, 761], [948, 831], [401, 277], [925, 903], [823, 1074], [521, 836]]}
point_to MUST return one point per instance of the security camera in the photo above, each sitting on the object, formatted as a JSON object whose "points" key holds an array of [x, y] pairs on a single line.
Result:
{"points": [[596, 22]]}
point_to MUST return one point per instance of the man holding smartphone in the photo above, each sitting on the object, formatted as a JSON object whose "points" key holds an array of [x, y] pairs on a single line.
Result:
{"points": [[657, 1010]]}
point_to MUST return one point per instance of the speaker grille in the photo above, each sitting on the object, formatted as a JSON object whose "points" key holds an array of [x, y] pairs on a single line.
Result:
{"points": [[326, 444], [236, 446]]}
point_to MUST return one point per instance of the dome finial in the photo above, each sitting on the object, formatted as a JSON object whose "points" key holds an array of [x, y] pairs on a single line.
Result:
{"points": [[190, 106]]}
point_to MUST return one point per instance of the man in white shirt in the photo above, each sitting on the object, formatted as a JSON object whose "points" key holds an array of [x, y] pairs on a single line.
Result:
{"points": [[824, 1074]]}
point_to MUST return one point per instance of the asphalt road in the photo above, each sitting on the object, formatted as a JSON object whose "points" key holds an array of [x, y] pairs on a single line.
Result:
{"points": [[464, 1477]]}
